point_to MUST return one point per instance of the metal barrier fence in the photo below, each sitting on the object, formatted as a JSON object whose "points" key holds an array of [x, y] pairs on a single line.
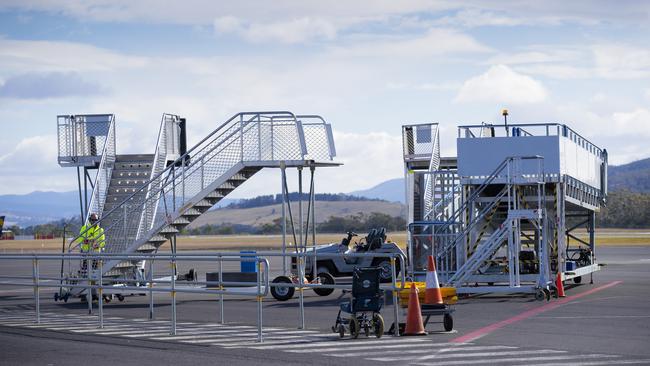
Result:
{"points": [[95, 283]]}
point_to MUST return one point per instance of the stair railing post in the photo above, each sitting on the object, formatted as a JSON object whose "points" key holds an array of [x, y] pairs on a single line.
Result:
{"points": [[259, 137], [37, 297], [173, 294], [221, 288], [151, 315], [100, 294], [89, 290]]}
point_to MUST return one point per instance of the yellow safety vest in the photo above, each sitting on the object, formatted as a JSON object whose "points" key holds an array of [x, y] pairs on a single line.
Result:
{"points": [[93, 238]]}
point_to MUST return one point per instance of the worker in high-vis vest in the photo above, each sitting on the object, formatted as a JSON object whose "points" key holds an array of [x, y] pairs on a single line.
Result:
{"points": [[91, 236], [92, 239]]}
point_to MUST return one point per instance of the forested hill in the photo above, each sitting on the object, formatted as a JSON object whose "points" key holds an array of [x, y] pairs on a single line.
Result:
{"points": [[268, 200], [634, 177]]}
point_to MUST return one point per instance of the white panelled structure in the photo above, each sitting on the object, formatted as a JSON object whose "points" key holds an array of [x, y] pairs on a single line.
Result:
{"points": [[506, 208]]}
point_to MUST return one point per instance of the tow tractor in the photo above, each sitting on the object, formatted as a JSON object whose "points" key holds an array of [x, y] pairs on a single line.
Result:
{"points": [[328, 267]]}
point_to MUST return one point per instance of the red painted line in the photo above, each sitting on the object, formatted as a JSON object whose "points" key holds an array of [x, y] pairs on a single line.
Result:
{"points": [[476, 334]]}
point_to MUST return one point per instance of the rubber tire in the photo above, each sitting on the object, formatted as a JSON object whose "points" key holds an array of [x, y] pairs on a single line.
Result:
{"points": [[354, 327], [120, 297], [327, 279], [540, 295], [280, 296], [378, 324], [448, 322], [341, 330], [577, 280], [56, 297]]}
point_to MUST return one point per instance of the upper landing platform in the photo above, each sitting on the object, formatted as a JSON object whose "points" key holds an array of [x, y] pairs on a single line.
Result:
{"points": [[567, 156]]}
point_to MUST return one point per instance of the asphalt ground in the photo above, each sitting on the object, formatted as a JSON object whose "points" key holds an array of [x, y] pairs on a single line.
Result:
{"points": [[607, 322]]}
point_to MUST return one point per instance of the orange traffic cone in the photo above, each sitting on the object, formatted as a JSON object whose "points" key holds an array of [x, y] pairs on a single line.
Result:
{"points": [[559, 285], [414, 324], [432, 294]]}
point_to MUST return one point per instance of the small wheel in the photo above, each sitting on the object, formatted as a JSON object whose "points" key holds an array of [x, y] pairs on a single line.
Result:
{"points": [[378, 324], [448, 322], [65, 298], [539, 295], [577, 280], [341, 330], [354, 327], [56, 297], [120, 297], [282, 293], [547, 294], [325, 279]]}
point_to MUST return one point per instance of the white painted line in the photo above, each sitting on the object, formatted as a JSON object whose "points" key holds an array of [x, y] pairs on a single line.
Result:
{"points": [[234, 339], [517, 359], [313, 340], [207, 333], [448, 355], [594, 363], [348, 342], [430, 348]]}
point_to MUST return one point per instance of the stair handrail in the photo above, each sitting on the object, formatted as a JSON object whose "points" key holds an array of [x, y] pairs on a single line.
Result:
{"points": [[165, 171], [159, 161], [102, 179], [200, 147]]}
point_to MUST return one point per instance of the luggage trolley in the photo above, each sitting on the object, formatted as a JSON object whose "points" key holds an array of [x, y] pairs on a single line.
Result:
{"points": [[364, 306]]}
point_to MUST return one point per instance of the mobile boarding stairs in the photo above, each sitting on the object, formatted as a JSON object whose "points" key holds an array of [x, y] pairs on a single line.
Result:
{"points": [[144, 200], [500, 217]]}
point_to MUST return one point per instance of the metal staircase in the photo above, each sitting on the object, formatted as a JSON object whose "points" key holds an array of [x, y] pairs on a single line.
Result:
{"points": [[151, 198]]}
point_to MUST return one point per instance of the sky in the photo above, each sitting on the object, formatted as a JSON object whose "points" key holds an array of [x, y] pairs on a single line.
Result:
{"points": [[367, 67]]}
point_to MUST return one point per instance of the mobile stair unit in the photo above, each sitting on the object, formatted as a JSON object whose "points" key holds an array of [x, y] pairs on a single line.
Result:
{"points": [[144, 200], [501, 216]]}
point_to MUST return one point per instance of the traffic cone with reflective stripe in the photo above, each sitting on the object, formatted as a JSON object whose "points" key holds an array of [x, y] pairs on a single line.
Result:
{"points": [[414, 324], [432, 294], [559, 285]]}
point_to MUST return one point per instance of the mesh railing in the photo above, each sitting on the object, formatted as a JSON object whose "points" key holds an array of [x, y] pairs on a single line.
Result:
{"points": [[82, 138], [250, 137]]}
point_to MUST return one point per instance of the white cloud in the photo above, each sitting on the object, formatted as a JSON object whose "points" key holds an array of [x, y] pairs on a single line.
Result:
{"points": [[646, 94], [292, 31], [621, 61], [31, 165], [435, 42], [46, 56], [501, 84], [636, 122], [473, 17]]}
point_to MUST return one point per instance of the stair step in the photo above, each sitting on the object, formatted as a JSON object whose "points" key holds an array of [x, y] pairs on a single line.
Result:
{"points": [[168, 230], [204, 203], [181, 221], [158, 239], [215, 194], [192, 213], [146, 248], [134, 157]]}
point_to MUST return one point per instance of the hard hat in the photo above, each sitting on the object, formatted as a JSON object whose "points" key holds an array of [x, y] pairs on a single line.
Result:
{"points": [[93, 217]]}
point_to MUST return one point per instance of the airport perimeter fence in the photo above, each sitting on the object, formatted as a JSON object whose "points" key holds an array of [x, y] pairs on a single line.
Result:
{"points": [[95, 284]]}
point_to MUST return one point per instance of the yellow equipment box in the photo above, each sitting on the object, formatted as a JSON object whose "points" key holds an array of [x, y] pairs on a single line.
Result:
{"points": [[449, 296]]}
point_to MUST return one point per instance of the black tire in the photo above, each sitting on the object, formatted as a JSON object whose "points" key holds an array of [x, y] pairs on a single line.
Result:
{"points": [[326, 279], [378, 324], [65, 298], [354, 327], [282, 293], [539, 295], [120, 297], [448, 322], [577, 280], [385, 273], [341, 330], [56, 297]]}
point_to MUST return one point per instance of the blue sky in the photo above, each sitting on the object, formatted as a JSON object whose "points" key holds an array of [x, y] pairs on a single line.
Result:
{"points": [[366, 66]]}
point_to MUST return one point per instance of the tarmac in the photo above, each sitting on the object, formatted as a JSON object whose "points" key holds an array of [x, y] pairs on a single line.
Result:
{"points": [[604, 323]]}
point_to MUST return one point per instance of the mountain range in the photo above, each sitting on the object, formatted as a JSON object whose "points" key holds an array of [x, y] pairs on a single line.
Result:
{"points": [[41, 207]]}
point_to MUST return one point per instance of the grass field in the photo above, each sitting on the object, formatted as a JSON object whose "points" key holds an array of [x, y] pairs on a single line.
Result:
{"points": [[605, 237]]}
